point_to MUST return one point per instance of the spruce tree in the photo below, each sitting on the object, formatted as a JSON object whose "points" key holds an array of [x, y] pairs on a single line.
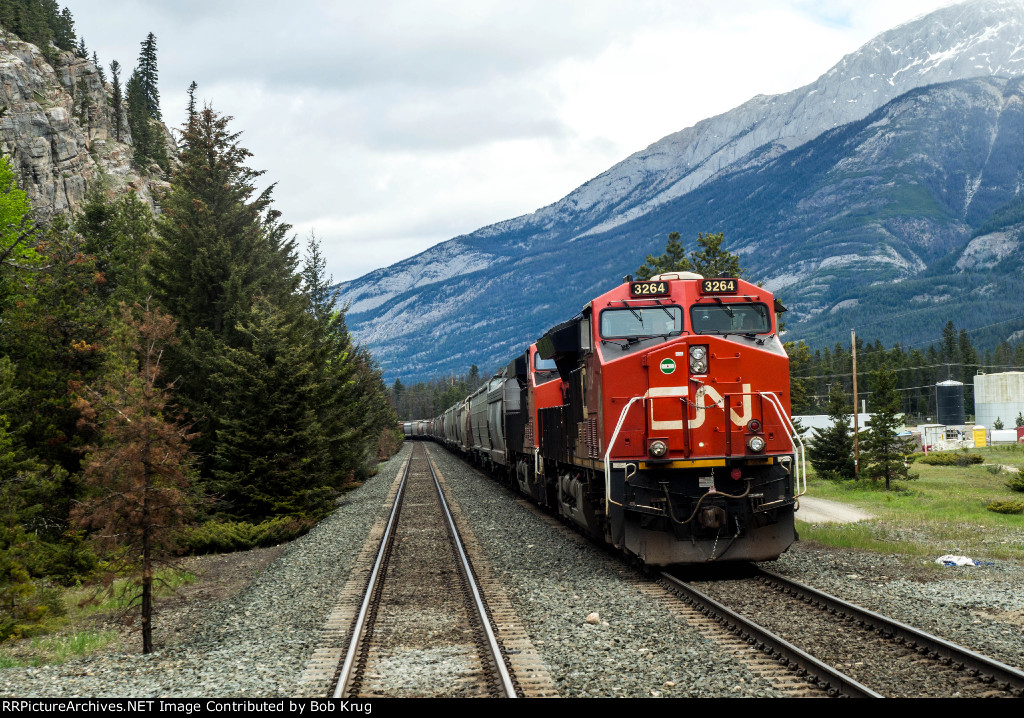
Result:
{"points": [[271, 454], [220, 248], [116, 99], [884, 451], [99, 67], [831, 452], [143, 135], [713, 261], [709, 260], [149, 76], [673, 260]]}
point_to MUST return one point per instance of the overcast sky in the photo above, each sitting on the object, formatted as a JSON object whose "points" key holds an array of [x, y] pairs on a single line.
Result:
{"points": [[389, 126]]}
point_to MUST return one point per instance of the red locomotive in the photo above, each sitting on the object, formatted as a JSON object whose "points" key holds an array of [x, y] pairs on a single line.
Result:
{"points": [[656, 419]]}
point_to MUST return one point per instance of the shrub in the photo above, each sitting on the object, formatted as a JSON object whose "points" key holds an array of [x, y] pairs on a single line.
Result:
{"points": [[1016, 482], [951, 458], [1006, 507], [228, 536]]}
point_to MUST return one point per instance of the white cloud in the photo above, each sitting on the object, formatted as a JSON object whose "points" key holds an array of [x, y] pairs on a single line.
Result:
{"points": [[390, 126]]}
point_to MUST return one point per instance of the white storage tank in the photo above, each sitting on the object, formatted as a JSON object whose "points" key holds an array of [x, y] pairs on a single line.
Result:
{"points": [[998, 396]]}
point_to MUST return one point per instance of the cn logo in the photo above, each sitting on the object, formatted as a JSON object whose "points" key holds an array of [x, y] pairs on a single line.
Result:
{"points": [[716, 400]]}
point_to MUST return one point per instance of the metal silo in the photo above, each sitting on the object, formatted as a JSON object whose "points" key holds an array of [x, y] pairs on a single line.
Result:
{"points": [[949, 403]]}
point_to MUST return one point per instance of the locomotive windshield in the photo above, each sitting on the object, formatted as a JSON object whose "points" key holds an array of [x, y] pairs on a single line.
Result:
{"points": [[543, 364], [633, 322], [730, 319]]}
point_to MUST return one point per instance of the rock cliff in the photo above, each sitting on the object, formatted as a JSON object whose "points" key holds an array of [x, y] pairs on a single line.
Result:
{"points": [[58, 152]]}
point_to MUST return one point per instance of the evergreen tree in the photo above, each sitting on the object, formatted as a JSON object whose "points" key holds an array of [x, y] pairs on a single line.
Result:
{"points": [[713, 261], [99, 67], [997, 424], [673, 260], [709, 260], [191, 102], [64, 34], [25, 493], [148, 77], [119, 234], [884, 451], [116, 99], [138, 474], [219, 250], [831, 452], [1019, 422], [142, 131], [271, 454], [83, 102]]}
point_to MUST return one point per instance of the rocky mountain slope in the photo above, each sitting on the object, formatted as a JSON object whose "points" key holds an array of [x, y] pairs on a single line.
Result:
{"points": [[477, 298], [57, 152]]}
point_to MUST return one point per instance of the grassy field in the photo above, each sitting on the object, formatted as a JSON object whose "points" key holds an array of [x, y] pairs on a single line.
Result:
{"points": [[941, 512]]}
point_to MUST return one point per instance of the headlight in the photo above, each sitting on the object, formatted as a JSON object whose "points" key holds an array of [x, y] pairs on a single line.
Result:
{"points": [[756, 444], [658, 448], [699, 359]]}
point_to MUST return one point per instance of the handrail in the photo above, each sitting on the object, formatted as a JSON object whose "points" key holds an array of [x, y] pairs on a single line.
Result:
{"points": [[794, 436], [608, 452]]}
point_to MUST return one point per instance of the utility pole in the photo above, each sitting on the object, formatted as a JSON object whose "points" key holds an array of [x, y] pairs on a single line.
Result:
{"points": [[856, 408]]}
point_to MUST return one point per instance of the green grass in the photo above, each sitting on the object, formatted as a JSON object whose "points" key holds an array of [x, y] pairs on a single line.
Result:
{"points": [[68, 636], [46, 650], [942, 512]]}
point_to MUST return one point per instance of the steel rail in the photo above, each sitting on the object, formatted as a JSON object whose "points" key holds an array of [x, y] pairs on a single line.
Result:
{"points": [[360, 624], [496, 654], [832, 680], [1009, 679]]}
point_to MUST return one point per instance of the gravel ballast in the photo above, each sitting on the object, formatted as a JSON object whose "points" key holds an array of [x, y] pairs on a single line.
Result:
{"points": [[257, 643]]}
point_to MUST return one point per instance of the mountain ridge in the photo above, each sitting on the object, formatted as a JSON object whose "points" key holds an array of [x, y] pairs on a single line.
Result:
{"points": [[437, 295]]}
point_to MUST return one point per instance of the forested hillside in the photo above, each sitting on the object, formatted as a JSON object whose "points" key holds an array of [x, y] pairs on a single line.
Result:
{"points": [[167, 384]]}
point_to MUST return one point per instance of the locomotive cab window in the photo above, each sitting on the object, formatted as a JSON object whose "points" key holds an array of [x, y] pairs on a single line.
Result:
{"points": [[730, 319], [544, 369], [638, 322]]}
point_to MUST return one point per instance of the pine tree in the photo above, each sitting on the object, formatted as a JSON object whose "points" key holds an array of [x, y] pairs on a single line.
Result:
{"points": [[149, 76], [884, 450], [191, 102], [219, 245], [99, 67], [831, 452], [219, 249], [116, 99], [138, 474], [709, 260], [673, 260], [143, 135], [119, 234], [271, 454], [713, 261]]}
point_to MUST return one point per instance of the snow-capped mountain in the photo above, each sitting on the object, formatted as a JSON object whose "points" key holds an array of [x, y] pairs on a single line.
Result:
{"points": [[415, 312]]}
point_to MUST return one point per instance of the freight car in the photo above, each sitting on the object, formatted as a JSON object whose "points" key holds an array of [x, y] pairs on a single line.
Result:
{"points": [[656, 419]]}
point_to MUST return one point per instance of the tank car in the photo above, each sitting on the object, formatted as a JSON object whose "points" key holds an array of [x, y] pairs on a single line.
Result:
{"points": [[656, 419]]}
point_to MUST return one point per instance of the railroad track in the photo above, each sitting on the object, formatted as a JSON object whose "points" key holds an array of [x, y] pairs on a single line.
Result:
{"points": [[422, 609], [847, 650]]}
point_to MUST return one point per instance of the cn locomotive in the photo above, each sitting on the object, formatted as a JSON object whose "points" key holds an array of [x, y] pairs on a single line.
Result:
{"points": [[657, 419]]}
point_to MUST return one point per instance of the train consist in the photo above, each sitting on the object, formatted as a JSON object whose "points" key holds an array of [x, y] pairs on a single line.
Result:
{"points": [[657, 419]]}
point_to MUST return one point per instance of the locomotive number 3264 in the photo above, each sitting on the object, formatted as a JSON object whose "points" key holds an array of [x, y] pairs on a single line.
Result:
{"points": [[718, 286], [648, 289]]}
